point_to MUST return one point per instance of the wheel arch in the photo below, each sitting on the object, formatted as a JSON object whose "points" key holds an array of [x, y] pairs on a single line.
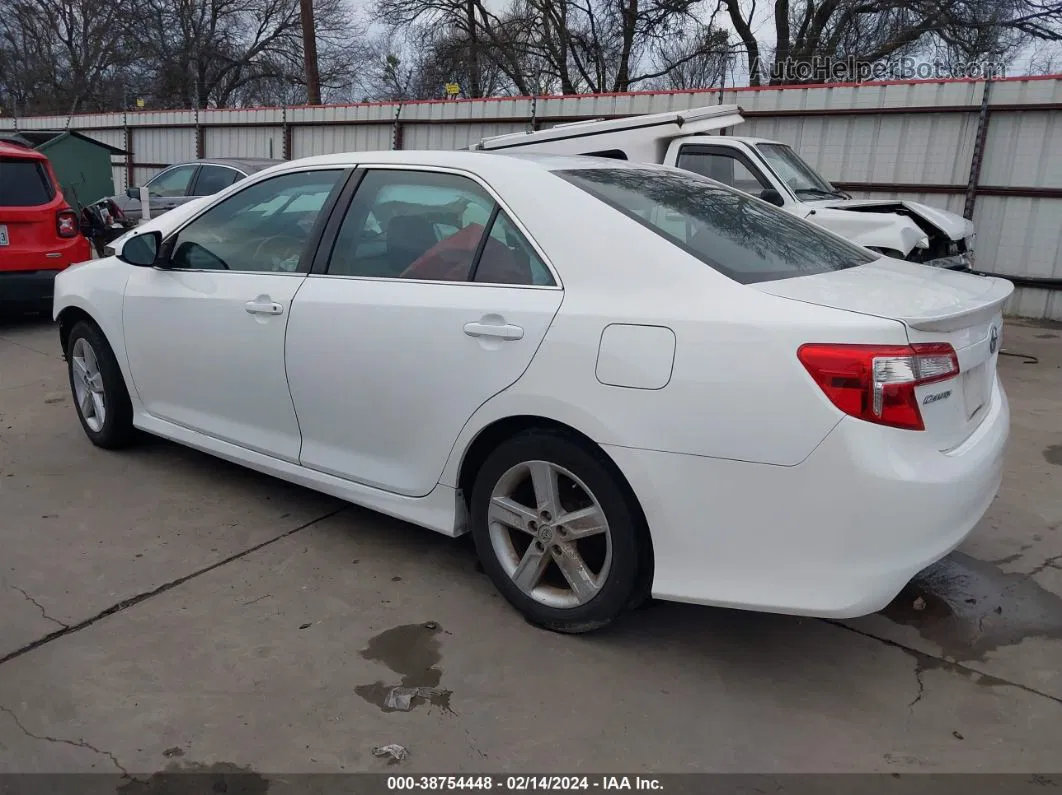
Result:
{"points": [[70, 316], [499, 430]]}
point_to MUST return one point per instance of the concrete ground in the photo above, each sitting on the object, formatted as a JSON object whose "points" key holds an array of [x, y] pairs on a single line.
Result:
{"points": [[160, 609]]}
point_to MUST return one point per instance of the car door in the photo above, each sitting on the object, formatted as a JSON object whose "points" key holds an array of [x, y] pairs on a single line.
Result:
{"points": [[169, 188], [428, 300], [205, 335]]}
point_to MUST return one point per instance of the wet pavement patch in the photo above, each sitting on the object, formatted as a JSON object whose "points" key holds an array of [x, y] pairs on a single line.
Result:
{"points": [[193, 778], [1053, 454], [412, 652], [970, 608]]}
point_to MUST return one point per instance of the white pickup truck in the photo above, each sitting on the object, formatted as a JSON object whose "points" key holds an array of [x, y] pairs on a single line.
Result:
{"points": [[767, 169]]}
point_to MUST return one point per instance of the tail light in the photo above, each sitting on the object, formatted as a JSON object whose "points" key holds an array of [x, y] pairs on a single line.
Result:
{"points": [[877, 383], [66, 223]]}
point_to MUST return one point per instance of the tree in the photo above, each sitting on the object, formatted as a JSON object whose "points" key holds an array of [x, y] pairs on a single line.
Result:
{"points": [[875, 31]]}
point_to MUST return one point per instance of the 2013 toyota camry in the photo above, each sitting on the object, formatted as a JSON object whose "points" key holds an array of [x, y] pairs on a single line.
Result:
{"points": [[622, 379]]}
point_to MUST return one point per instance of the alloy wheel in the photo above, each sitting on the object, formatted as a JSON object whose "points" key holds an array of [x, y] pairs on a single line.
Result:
{"points": [[88, 385], [550, 534]]}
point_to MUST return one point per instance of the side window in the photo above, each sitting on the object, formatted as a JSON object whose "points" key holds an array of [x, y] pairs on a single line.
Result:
{"points": [[412, 225], [723, 168], [211, 179], [508, 258], [172, 183], [262, 228]]}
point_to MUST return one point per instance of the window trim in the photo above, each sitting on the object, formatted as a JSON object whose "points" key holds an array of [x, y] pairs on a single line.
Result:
{"points": [[199, 173], [328, 242], [313, 242]]}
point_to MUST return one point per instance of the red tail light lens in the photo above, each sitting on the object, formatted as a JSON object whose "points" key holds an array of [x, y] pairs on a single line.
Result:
{"points": [[66, 223], [877, 383]]}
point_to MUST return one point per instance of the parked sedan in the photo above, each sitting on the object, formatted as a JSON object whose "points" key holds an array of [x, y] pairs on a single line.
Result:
{"points": [[622, 379], [183, 182]]}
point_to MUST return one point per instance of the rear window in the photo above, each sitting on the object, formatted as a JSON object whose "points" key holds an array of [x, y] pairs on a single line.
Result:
{"points": [[24, 183], [743, 238]]}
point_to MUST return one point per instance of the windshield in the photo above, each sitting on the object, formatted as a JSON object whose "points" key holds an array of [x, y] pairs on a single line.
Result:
{"points": [[743, 238], [801, 178]]}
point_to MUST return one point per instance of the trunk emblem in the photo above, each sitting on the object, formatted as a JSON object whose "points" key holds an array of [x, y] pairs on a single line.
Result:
{"points": [[993, 340]]}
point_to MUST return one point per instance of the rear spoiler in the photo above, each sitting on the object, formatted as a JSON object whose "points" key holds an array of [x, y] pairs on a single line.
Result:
{"points": [[988, 306]]}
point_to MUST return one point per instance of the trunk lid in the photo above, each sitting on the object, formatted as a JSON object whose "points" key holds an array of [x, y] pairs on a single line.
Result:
{"points": [[934, 305]]}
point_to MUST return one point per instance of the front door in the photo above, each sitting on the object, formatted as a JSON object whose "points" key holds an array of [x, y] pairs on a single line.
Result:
{"points": [[208, 348], [433, 301]]}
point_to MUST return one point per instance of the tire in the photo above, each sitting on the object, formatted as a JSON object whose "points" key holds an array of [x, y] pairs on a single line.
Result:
{"points": [[528, 551], [98, 388]]}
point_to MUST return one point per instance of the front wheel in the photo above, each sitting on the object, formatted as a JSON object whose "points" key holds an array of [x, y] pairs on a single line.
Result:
{"points": [[558, 533], [98, 388]]}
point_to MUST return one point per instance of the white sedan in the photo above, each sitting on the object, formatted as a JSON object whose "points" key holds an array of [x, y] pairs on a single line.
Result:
{"points": [[623, 380]]}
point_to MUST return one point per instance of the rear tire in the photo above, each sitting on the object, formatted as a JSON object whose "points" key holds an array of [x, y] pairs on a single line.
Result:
{"points": [[558, 533], [98, 388]]}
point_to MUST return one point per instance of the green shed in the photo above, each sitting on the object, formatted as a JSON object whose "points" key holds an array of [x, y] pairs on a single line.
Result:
{"points": [[82, 164]]}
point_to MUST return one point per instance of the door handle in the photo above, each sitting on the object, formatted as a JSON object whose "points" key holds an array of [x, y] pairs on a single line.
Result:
{"points": [[263, 308], [504, 331]]}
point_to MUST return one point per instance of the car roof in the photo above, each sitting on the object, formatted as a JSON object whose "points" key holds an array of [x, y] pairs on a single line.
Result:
{"points": [[248, 165], [14, 150]]}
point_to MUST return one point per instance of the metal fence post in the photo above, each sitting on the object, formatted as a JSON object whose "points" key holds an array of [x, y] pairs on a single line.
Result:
{"points": [[978, 157]]}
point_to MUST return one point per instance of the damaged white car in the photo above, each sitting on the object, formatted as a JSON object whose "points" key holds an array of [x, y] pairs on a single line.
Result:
{"points": [[768, 169]]}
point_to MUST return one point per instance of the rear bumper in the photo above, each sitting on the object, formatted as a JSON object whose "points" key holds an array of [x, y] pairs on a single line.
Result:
{"points": [[58, 255], [838, 535], [27, 287]]}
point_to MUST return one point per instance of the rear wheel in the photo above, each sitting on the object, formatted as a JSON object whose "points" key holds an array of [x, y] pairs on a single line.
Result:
{"points": [[557, 532], [98, 388]]}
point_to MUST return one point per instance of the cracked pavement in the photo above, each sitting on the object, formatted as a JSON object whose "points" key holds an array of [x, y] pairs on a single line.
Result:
{"points": [[160, 607]]}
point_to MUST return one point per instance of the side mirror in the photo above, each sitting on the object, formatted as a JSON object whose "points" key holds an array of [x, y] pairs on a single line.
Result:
{"points": [[142, 250], [133, 193], [772, 196]]}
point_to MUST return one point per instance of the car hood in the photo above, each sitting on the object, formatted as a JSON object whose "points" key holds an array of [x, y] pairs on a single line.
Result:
{"points": [[954, 226]]}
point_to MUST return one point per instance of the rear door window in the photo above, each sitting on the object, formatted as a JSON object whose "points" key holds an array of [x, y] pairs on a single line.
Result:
{"points": [[211, 179], [24, 183], [741, 237], [432, 226]]}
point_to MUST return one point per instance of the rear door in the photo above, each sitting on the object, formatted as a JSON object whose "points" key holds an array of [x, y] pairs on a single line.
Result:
{"points": [[430, 300]]}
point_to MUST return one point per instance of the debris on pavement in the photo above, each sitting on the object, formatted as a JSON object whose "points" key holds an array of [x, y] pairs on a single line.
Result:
{"points": [[400, 699], [396, 752]]}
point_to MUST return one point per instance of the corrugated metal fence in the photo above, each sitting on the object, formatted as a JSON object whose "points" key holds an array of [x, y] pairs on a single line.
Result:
{"points": [[990, 150]]}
